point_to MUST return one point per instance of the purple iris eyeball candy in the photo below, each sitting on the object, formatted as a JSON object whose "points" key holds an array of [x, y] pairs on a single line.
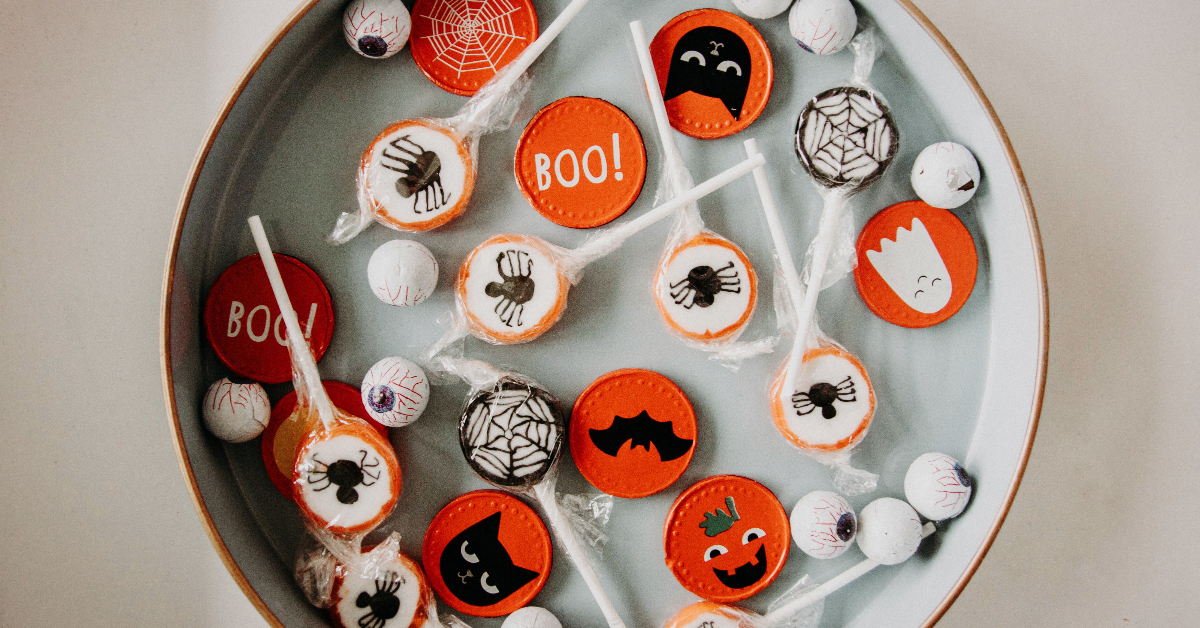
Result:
{"points": [[395, 391], [376, 29], [823, 524], [822, 26]]}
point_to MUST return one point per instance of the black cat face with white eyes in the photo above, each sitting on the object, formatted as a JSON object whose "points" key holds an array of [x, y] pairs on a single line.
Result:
{"points": [[711, 61], [478, 569]]}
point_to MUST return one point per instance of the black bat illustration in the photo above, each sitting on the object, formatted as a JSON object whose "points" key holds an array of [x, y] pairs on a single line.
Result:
{"points": [[643, 431]]}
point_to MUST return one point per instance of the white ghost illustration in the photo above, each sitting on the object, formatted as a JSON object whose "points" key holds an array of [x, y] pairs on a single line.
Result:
{"points": [[913, 268]]}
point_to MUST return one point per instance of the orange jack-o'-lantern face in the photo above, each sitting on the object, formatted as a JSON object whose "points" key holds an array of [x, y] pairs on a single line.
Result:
{"points": [[726, 538]]}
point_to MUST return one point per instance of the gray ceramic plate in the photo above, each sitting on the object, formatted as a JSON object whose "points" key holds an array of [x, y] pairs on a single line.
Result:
{"points": [[286, 145]]}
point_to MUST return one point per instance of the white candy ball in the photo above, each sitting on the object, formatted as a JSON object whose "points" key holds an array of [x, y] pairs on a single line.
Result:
{"points": [[761, 9], [376, 29], [395, 392], [945, 175], [531, 617], [402, 272], [235, 412], [937, 486], [823, 524], [823, 26], [889, 531]]}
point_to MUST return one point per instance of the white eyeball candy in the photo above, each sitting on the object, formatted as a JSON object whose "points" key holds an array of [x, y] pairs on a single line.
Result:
{"points": [[822, 26], [531, 617], [761, 9], [945, 175], [235, 412], [823, 524], [395, 392], [376, 29], [889, 531], [937, 486], [402, 272]]}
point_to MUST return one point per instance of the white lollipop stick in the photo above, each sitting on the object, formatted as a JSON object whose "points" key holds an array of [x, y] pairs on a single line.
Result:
{"points": [[539, 45], [835, 583], [545, 495], [656, 101], [301, 353]]}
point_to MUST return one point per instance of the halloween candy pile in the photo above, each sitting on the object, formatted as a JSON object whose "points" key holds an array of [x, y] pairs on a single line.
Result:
{"points": [[335, 450]]}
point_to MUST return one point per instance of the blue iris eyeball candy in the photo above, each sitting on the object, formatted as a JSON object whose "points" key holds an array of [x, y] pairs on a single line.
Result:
{"points": [[395, 391], [822, 26], [937, 486], [823, 524], [376, 29], [531, 617]]}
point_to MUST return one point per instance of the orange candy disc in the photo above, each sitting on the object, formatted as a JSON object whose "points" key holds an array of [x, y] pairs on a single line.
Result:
{"points": [[390, 594], [487, 554], [706, 289], [832, 405], [710, 615], [417, 175], [726, 538], [916, 264], [633, 433], [511, 290], [460, 44], [347, 477], [581, 162], [714, 70]]}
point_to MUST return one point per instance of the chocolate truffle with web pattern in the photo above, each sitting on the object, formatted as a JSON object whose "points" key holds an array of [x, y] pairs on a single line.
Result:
{"points": [[846, 137], [511, 434]]}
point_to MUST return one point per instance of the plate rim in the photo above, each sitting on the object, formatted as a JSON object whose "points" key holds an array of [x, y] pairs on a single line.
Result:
{"points": [[267, 48]]}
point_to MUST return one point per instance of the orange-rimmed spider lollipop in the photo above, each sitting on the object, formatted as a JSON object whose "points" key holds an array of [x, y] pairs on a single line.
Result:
{"points": [[347, 477], [418, 174]]}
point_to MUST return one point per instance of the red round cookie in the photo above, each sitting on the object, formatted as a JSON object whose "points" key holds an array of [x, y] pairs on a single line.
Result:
{"points": [[284, 432], [916, 264], [460, 44], [580, 162], [244, 324], [633, 433], [487, 554], [714, 70], [726, 538]]}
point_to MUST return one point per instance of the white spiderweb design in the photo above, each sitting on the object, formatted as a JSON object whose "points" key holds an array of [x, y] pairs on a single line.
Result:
{"points": [[846, 136], [471, 35], [512, 433]]}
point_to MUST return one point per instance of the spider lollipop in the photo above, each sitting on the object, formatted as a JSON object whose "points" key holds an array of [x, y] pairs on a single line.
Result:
{"points": [[705, 287], [418, 174], [512, 433], [347, 477]]}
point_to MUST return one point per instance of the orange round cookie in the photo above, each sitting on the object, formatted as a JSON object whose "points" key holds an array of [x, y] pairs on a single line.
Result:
{"points": [[510, 289], [710, 615], [460, 45], [417, 175], [347, 477], [706, 289], [832, 405], [390, 594]]}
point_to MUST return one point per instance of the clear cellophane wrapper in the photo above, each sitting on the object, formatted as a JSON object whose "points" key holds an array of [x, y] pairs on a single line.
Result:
{"points": [[779, 613], [495, 107]]}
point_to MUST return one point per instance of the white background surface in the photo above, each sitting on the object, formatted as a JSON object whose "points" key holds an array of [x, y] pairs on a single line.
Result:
{"points": [[102, 108]]}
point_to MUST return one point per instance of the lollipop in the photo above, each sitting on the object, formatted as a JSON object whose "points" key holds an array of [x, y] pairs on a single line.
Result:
{"points": [[384, 589], [418, 174], [513, 288], [347, 477], [512, 433], [705, 287]]}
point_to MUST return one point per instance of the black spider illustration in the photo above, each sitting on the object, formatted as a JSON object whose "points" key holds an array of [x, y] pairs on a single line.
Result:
{"points": [[383, 603], [823, 395], [517, 288], [421, 172], [702, 284], [346, 474]]}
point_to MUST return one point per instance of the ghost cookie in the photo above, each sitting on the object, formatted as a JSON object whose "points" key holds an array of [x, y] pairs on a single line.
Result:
{"points": [[510, 289], [709, 615], [402, 272], [347, 477], [937, 486], [889, 531], [417, 175], [391, 593], [823, 524], [846, 137], [706, 289], [395, 391], [822, 26], [376, 29], [235, 412], [832, 404], [511, 434], [945, 175]]}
